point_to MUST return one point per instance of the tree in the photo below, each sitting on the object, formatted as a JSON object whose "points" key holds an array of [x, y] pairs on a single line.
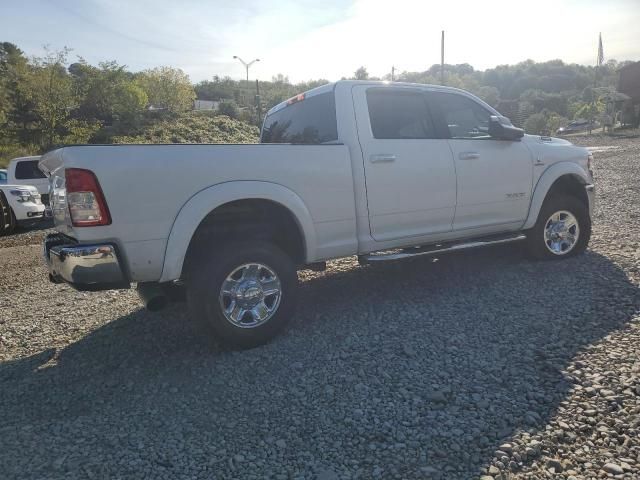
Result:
{"points": [[536, 124], [229, 108], [281, 79], [108, 94], [49, 87], [16, 107], [168, 88], [491, 95], [361, 74], [544, 123]]}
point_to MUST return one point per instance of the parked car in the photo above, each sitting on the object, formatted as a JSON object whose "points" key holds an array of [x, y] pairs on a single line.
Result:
{"points": [[3, 176], [24, 207], [25, 171], [384, 171], [578, 126]]}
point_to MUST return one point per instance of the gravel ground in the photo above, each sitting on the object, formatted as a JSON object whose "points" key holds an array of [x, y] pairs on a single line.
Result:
{"points": [[479, 365]]}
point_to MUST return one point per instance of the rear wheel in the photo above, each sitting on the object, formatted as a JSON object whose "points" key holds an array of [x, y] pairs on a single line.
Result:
{"points": [[563, 229], [244, 293]]}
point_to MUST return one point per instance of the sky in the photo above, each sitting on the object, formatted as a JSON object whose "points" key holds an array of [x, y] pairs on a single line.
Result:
{"points": [[305, 39]]}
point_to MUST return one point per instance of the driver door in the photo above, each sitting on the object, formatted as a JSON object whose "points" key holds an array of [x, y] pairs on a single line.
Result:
{"points": [[494, 176]]}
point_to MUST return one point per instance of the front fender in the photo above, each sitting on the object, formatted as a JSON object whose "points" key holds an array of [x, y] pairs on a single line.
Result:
{"points": [[545, 182], [204, 202]]}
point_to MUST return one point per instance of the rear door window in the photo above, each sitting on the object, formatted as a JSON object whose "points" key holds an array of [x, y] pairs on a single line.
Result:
{"points": [[308, 121], [28, 169], [399, 114]]}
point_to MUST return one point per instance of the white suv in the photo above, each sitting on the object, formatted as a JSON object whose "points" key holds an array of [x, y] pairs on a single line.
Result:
{"points": [[19, 205], [25, 171]]}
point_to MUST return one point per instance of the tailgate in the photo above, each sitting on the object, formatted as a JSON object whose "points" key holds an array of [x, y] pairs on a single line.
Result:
{"points": [[52, 164]]}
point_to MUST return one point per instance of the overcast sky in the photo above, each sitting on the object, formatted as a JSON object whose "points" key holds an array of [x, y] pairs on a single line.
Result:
{"points": [[329, 39]]}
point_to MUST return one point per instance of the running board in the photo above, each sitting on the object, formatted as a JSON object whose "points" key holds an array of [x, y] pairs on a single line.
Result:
{"points": [[438, 248]]}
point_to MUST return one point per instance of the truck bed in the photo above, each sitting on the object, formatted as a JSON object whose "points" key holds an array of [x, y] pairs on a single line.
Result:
{"points": [[146, 186]]}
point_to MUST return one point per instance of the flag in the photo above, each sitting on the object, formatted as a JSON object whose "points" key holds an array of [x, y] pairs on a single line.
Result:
{"points": [[600, 52]]}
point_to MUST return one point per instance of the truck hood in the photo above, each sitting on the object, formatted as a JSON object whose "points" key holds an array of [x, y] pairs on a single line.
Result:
{"points": [[548, 151], [556, 149], [539, 139]]}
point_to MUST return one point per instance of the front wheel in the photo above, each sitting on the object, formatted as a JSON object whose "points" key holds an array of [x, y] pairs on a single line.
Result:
{"points": [[245, 293], [563, 229], [8, 222]]}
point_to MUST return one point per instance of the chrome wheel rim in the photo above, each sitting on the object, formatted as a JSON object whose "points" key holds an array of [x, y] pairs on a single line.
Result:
{"points": [[250, 295], [561, 232]]}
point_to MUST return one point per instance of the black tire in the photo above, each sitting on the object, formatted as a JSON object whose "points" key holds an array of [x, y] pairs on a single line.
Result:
{"points": [[8, 222], [205, 281], [536, 244], [5, 214]]}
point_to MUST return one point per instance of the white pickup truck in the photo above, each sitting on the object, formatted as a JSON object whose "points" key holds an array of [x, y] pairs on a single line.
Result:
{"points": [[375, 169]]}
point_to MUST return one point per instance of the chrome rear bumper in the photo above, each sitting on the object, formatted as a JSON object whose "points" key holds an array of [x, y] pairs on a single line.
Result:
{"points": [[84, 267]]}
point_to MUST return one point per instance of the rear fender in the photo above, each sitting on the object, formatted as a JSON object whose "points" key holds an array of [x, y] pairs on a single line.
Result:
{"points": [[204, 202]]}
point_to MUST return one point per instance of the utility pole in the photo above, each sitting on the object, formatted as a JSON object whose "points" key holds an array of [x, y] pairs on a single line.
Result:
{"points": [[393, 73], [442, 59], [258, 102]]}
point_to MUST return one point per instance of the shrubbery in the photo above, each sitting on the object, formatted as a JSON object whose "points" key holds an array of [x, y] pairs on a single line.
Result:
{"points": [[194, 127], [544, 123]]}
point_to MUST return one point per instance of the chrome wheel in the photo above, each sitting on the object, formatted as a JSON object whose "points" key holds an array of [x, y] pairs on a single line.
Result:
{"points": [[561, 232], [250, 295]]}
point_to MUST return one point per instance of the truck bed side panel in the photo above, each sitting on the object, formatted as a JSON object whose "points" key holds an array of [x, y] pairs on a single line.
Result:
{"points": [[146, 186]]}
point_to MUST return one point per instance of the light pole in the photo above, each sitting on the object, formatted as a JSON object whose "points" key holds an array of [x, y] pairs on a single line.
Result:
{"points": [[246, 65]]}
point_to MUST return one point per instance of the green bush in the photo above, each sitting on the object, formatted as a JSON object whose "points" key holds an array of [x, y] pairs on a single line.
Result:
{"points": [[229, 108], [536, 124], [544, 123], [194, 128]]}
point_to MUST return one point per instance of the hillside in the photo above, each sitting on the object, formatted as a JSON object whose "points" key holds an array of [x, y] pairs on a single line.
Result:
{"points": [[193, 127]]}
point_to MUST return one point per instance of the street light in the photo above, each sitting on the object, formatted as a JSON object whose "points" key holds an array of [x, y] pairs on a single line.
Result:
{"points": [[246, 65]]}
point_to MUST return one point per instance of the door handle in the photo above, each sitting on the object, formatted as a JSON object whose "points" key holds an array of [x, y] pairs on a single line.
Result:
{"points": [[469, 156], [382, 158]]}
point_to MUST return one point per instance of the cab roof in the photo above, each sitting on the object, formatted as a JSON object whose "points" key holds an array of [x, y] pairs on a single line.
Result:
{"points": [[382, 83]]}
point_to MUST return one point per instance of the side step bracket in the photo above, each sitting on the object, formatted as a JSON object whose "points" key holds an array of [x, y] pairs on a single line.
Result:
{"points": [[387, 255]]}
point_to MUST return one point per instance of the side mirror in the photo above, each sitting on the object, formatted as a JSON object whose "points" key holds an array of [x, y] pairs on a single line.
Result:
{"points": [[501, 129]]}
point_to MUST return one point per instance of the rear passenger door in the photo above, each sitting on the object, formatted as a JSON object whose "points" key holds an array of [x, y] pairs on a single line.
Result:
{"points": [[410, 174]]}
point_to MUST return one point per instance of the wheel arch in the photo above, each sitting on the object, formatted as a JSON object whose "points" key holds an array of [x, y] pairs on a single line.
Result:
{"points": [[566, 177], [206, 202]]}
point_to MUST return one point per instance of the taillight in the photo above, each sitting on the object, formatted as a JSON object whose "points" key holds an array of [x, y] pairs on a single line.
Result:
{"points": [[85, 199], [296, 99]]}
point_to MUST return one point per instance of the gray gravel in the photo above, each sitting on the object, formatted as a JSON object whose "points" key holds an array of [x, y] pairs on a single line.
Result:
{"points": [[29, 235], [479, 365]]}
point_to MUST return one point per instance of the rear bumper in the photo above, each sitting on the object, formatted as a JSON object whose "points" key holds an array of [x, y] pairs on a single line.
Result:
{"points": [[86, 267]]}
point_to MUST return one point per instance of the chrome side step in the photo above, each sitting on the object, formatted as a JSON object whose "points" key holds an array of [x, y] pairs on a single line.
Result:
{"points": [[438, 248]]}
